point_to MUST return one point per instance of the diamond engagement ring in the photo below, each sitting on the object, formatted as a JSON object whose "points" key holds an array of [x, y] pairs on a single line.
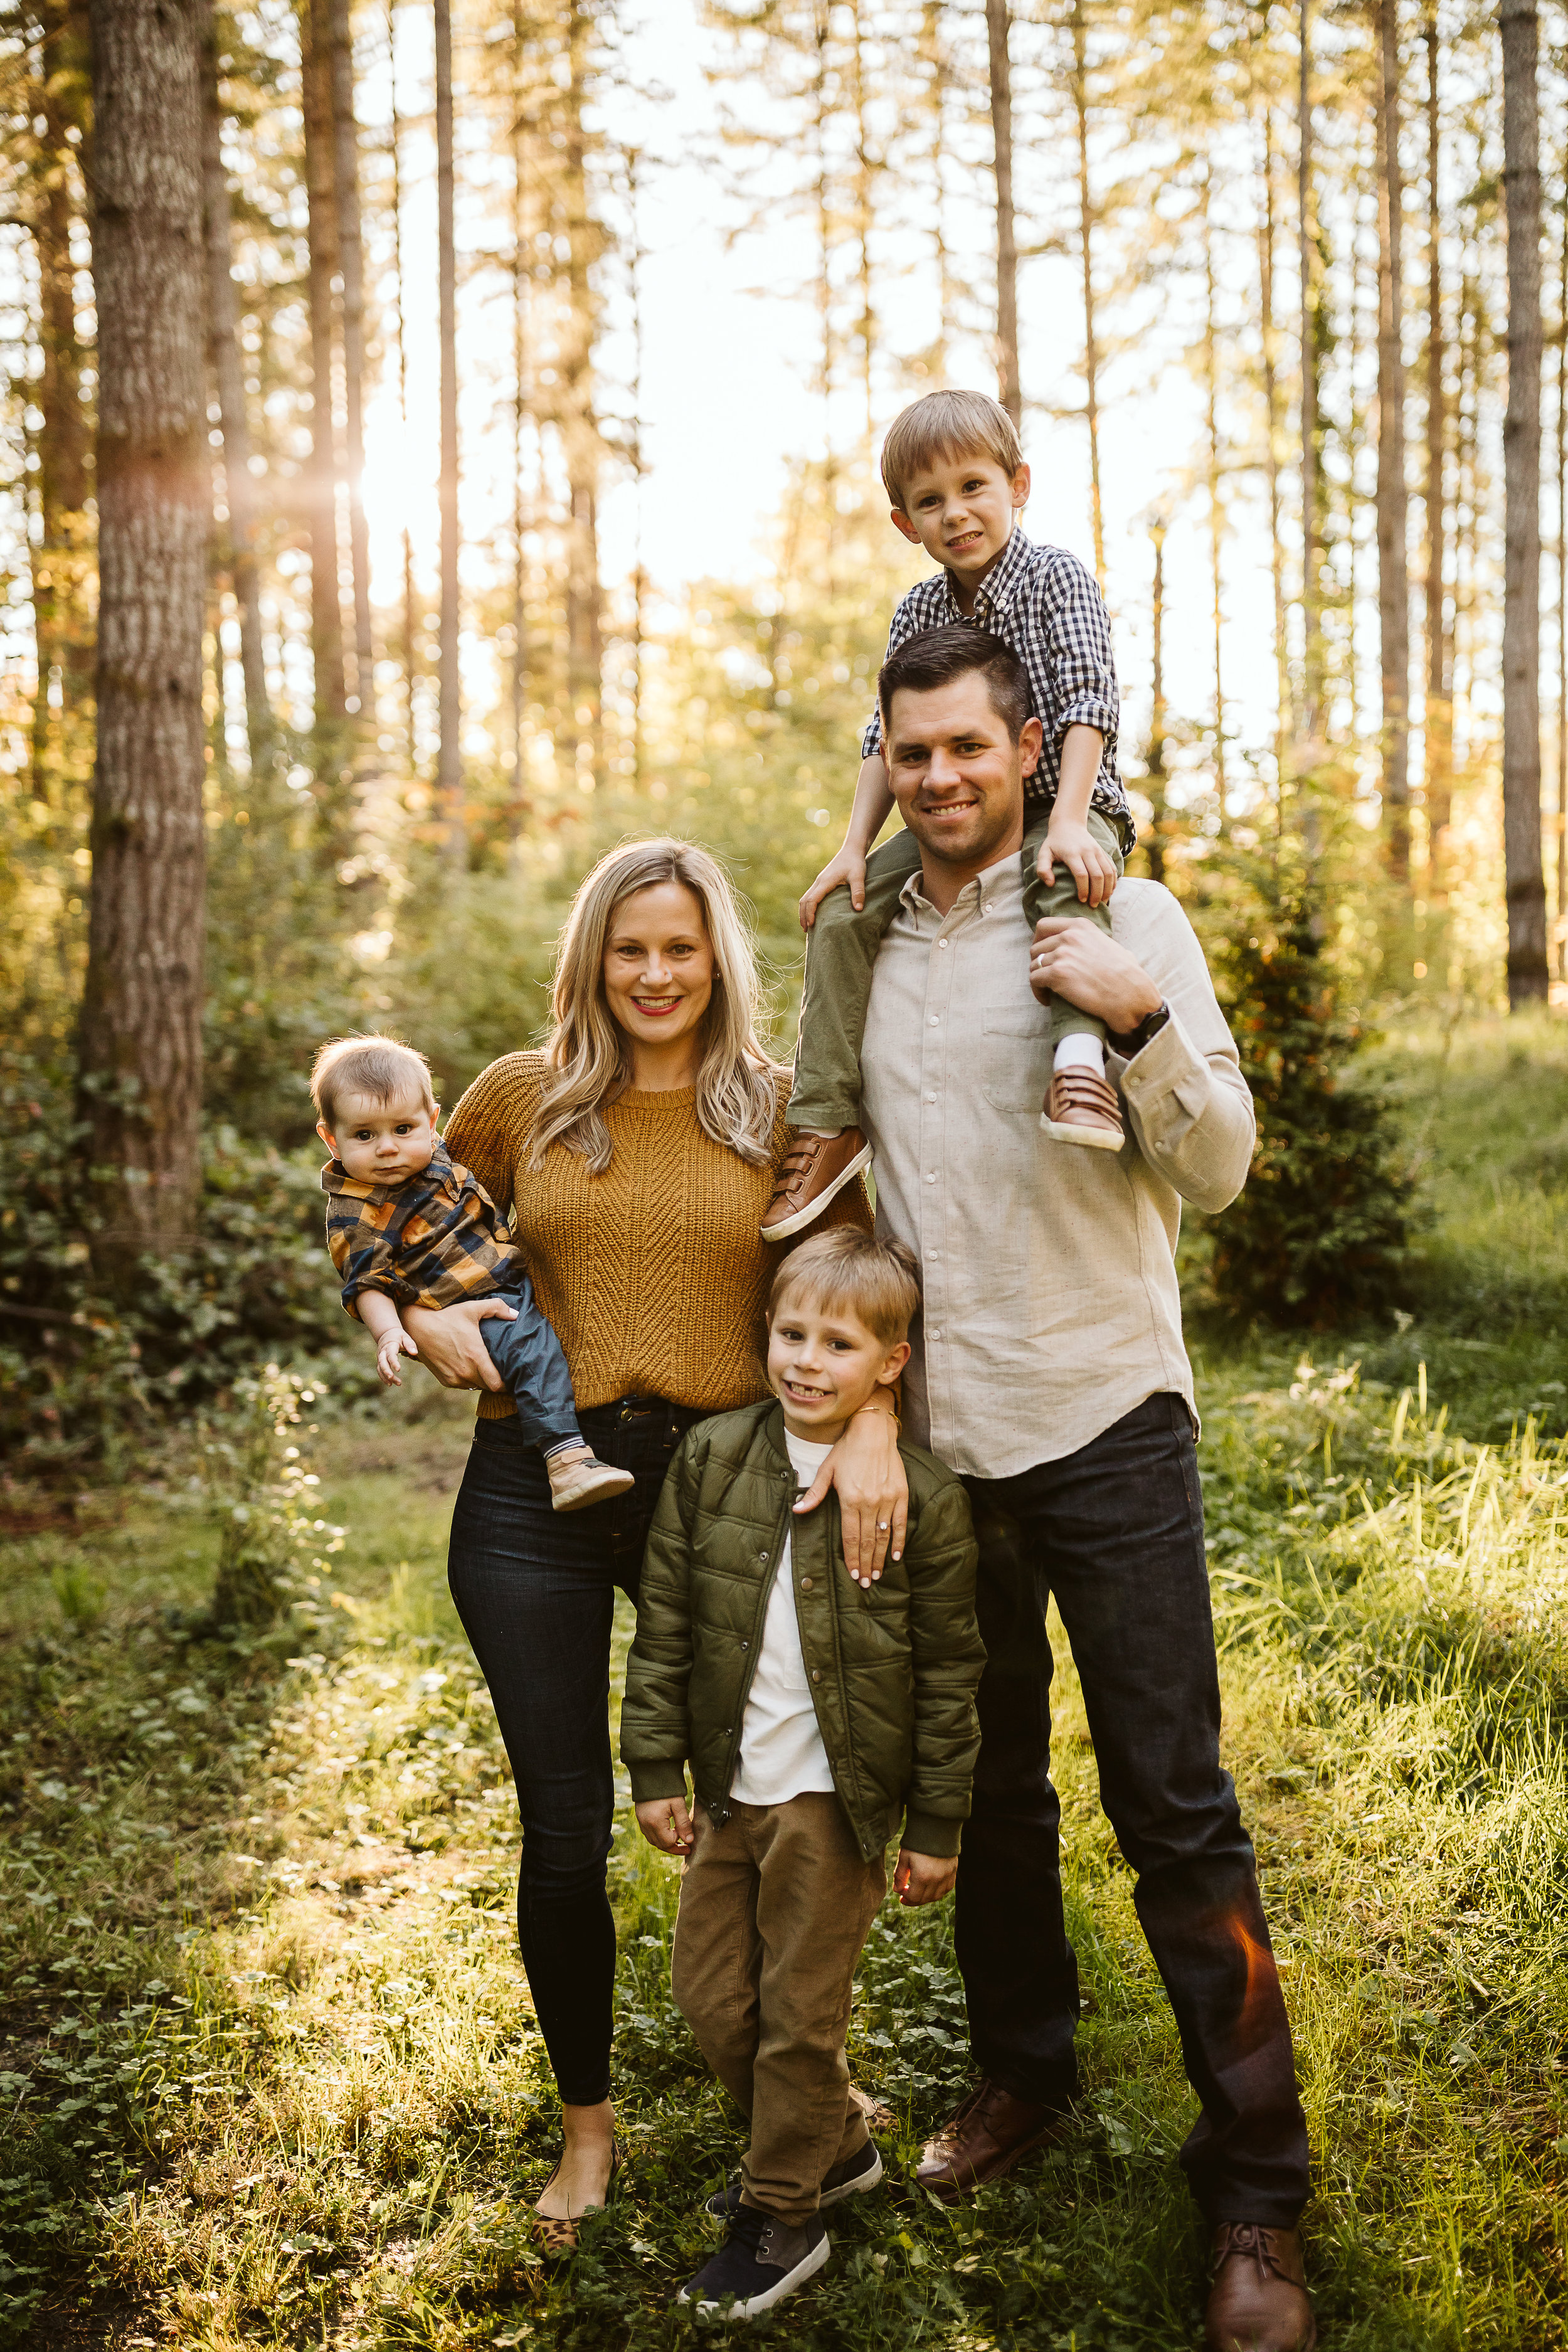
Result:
{"points": [[881, 1526]]}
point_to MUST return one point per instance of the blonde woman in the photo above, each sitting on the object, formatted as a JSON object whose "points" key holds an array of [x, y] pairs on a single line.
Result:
{"points": [[637, 1155]]}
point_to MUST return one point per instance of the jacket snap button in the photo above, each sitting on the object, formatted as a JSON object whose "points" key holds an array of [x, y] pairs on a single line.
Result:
{"points": [[816, 1674], [805, 1583], [745, 1645]]}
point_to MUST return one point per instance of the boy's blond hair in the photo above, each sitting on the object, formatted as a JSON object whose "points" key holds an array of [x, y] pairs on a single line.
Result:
{"points": [[948, 425], [873, 1278], [375, 1067]]}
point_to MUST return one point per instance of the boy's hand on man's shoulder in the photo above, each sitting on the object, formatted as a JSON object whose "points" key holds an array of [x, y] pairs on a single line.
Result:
{"points": [[1074, 847], [666, 1824], [923, 1877], [847, 865]]}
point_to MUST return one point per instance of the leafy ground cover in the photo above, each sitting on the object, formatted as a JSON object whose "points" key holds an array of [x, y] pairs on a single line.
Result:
{"points": [[270, 2073]]}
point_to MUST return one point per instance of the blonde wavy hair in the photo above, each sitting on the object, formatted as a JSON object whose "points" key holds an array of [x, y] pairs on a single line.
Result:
{"points": [[737, 1081]]}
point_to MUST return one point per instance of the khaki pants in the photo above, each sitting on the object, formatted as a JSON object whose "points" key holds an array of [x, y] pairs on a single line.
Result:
{"points": [[775, 1910], [841, 952]]}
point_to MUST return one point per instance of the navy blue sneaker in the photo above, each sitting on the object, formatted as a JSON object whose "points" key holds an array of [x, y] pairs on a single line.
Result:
{"points": [[761, 2261], [853, 2177]]}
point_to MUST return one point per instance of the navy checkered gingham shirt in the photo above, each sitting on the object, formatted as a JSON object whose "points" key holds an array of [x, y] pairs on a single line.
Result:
{"points": [[1045, 604]]}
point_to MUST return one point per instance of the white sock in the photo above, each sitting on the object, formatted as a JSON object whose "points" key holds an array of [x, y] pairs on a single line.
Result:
{"points": [[1080, 1053]]}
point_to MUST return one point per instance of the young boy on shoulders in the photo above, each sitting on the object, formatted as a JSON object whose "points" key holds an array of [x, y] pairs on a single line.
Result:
{"points": [[953, 468], [814, 1713]]}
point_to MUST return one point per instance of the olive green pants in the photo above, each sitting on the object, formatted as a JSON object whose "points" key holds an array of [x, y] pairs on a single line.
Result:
{"points": [[842, 951]]}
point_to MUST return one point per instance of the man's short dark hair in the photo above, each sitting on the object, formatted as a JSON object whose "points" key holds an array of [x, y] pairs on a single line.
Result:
{"points": [[937, 656]]}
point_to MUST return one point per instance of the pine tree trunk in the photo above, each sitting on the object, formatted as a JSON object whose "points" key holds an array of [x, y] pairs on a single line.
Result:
{"points": [[1215, 505], [1008, 386], [58, 554], [1155, 782], [1393, 497], [1086, 267], [865, 215], [140, 1057], [321, 485], [933, 54], [1527, 969], [1439, 729], [449, 758], [1562, 957], [1272, 426], [228, 374], [1311, 536], [410, 612], [579, 425], [519, 281], [345, 189]]}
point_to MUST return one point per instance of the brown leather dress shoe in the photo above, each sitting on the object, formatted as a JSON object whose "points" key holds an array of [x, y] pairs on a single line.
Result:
{"points": [[982, 2139], [1259, 2302], [1082, 1107], [815, 1167]]}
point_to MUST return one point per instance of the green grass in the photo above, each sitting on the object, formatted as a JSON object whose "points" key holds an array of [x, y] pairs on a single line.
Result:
{"points": [[269, 2070]]}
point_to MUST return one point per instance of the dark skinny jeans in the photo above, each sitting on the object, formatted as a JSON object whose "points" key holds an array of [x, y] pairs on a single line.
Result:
{"points": [[1116, 1532], [535, 1589]]}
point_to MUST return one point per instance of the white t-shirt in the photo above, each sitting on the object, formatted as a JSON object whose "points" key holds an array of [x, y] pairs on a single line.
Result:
{"points": [[782, 1754]]}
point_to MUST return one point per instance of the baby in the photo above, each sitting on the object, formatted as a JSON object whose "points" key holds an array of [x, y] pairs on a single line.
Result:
{"points": [[408, 1227]]}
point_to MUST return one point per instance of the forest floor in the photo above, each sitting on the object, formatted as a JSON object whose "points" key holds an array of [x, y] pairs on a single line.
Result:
{"points": [[269, 2068]]}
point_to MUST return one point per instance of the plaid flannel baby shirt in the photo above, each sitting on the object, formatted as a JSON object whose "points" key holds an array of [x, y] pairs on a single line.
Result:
{"points": [[432, 1241], [1047, 605]]}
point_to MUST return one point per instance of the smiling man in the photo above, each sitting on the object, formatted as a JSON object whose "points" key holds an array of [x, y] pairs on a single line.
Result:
{"points": [[1049, 1370]]}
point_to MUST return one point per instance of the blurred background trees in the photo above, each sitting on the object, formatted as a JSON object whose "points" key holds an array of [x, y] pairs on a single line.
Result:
{"points": [[1322, 256]]}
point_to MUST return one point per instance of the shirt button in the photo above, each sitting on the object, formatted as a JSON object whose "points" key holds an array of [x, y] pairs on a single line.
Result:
{"points": [[941, 943], [935, 1019], [929, 1180], [933, 1335], [805, 1583], [931, 1099]]}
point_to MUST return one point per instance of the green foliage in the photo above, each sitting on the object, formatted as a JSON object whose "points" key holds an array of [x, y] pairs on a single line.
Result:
{"points": [[1320, 1233], [264, 1495]]}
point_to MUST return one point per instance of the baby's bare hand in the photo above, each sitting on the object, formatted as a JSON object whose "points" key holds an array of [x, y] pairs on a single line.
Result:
{"points": [[393, 1346]]}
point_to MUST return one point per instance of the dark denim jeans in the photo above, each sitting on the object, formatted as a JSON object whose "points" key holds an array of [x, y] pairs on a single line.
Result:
{"points": [[535, 1590], [1115, 1531], [528, 1356]]}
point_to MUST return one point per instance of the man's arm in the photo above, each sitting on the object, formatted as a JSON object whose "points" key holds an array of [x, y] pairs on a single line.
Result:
{"points": [[1185, 1093]]}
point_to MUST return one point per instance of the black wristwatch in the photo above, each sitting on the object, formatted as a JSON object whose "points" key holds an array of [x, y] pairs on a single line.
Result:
{"points": [[1136, 1039]]}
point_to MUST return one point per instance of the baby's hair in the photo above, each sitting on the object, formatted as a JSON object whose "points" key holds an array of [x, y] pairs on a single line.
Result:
{"points": [[377, 1067], [937, 656], [873, 1278], [948, 425]]}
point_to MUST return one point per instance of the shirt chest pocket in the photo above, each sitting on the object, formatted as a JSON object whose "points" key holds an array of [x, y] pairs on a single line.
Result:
{"points": [[1016, 1056]]}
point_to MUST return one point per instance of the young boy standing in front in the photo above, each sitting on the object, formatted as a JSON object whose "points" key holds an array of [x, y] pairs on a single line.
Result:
{"points": [[955, 471], [814, 1711]]}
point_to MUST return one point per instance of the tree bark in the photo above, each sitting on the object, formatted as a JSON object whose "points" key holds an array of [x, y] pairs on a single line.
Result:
{"points": [[579, 424], [1215, 505], [449, 758], [1438, 760], [521, 271], [59, 554], [410, 610], [228, 375], [1312, 538], [141, 1043], [1008, 388], [1563, 611], [1086, 265], [1267, 233], [321, 485], [1527, 967], [345, 189], [1393, 496], [1155, 782]]}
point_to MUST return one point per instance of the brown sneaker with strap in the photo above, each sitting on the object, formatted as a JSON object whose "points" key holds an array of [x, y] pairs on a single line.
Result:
{"points": [[1259, 2302], [1083, 1107], [815, 1167]]}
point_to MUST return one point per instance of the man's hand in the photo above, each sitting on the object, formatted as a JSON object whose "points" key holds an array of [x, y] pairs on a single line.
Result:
{"points": [[1076, 848], [666, 1824], [390, 1348], [923, 1877], [873, 1494], [449, 1346], [1077, 960]]}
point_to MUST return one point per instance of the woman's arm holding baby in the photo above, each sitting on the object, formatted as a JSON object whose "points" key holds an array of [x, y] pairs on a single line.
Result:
{"points": [[449, 1342]]}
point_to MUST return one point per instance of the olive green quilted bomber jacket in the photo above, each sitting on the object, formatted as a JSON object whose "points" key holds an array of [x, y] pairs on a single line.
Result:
{"points": [[894, 1667]]}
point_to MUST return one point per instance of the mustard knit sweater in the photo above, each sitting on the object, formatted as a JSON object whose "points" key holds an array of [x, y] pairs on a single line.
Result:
{"points": [[654, 1275]]}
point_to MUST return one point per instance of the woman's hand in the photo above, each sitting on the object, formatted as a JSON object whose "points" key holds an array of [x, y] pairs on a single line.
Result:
{"points": [[449, 1344], [873, 1492]]}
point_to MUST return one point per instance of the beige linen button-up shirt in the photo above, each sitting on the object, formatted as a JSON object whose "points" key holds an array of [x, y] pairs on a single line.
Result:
{"points": [[1049, 1270]]}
